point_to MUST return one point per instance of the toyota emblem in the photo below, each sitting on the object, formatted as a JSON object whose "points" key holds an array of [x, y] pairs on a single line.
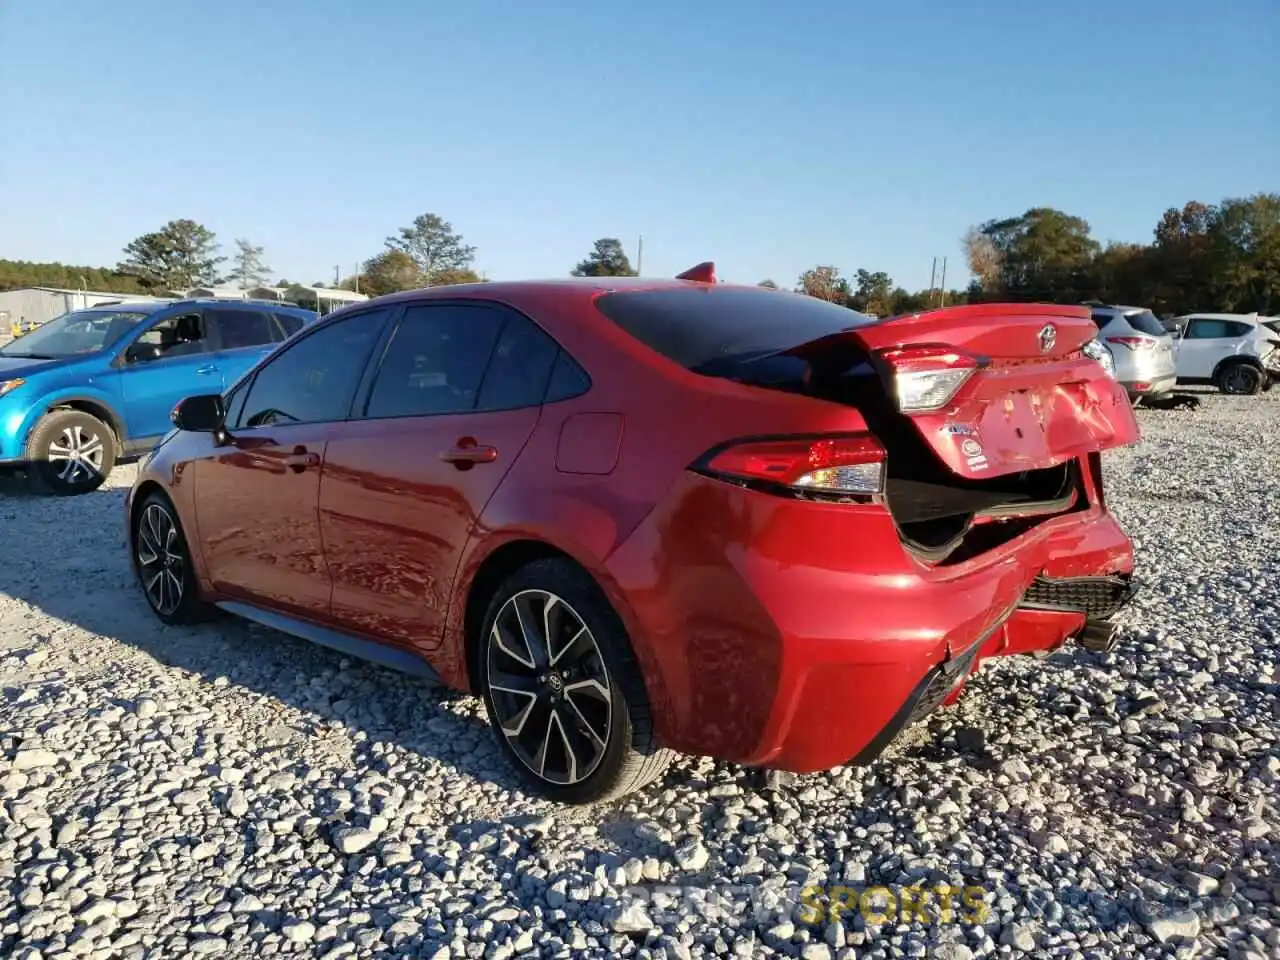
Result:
{"points": [[1048, 337]]}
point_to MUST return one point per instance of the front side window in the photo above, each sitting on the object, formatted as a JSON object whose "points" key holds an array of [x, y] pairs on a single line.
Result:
{"points": [[1207, 330], [436, 360], [176, 336], [290, 323], [314, 379], [242, 328], [78, 332]]}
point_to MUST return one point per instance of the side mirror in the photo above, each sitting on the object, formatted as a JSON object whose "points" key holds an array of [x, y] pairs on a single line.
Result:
{"points": [[199, 414]]}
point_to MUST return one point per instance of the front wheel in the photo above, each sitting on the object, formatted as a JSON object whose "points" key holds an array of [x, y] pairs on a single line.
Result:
{"points": [[562, 688], [70, 452], [162, 560], [1240, 379]]}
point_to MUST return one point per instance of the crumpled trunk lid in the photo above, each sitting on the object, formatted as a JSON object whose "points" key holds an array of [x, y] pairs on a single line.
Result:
{"points": [[1031, 398]]}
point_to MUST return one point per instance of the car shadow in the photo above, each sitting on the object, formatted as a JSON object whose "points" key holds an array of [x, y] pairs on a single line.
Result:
{"points": [[72, 564]]}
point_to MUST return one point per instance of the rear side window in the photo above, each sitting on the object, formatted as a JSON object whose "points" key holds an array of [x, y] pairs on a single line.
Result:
{"points": [[568, 380], [698, 326], [520, 366], [435, 361], [1146, 322], [1100, 320], [242, 328]]}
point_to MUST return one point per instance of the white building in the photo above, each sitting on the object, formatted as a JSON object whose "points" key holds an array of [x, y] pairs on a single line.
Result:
{"points": [[38, 304], [41, 304], [320, 299]]}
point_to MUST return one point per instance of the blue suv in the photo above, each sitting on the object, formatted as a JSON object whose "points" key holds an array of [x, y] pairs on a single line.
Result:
{"points": [[93, 386]]}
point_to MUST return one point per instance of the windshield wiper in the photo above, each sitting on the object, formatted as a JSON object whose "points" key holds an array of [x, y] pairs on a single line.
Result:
{"points": [[29, 356]]}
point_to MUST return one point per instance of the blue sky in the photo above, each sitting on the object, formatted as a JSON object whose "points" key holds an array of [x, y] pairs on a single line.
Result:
{"points": [[766, 136]]}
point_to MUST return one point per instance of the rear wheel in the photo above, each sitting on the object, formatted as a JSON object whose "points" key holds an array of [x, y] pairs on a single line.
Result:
{"points": [[70, 452], [1240, 379], [562, 688], [162, 560]]}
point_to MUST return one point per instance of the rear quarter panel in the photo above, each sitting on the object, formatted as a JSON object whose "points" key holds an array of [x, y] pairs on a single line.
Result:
{"points": [[669, 418]]}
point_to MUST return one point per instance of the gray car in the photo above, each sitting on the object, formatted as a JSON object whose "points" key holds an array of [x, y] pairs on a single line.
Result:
{"points": [[1143, 350]]}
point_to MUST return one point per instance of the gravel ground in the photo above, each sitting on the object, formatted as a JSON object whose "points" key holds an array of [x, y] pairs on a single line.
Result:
{"points": [[228, 790]]}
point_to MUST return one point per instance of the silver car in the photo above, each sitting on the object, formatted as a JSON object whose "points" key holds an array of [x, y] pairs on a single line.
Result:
{"points": [[1143, 350]]}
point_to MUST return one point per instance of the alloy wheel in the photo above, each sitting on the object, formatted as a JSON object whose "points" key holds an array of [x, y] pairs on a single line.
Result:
{"points": [[75, 456], [161, 563], [1236, 380], [548, 686]]}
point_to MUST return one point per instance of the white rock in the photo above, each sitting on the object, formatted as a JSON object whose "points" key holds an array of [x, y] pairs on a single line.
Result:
{"points": [[1183, 925], [32, 758], [353, 839], [632, 918], [692, 855], [298, 931]]}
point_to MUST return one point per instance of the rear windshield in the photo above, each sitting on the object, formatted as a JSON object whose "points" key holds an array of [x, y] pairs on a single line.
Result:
{"points": [[1146, 322], [697, 326]]}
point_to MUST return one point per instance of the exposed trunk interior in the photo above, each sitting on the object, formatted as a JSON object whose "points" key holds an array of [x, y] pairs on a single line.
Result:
{"points": [[942, 517]]}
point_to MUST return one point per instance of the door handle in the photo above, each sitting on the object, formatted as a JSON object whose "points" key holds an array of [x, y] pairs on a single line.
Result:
{"points": [[208, 368], [300, 459], [467, 453]]}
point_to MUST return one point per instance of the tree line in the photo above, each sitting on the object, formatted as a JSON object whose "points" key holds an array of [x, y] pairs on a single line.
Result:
{"points": [[1223, 256], [1220, 257]]}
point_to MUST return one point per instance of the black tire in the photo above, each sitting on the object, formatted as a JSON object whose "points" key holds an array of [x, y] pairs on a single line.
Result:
{"points": [[1239, 380], [614, 736], [162, 562], [69, 453]]}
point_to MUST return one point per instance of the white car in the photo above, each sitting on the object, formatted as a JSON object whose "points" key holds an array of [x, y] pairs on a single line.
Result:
{"points": [[1140, 347], [1235, 352]]}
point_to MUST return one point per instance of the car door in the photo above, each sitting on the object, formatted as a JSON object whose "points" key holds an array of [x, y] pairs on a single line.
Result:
{"points": [[446, 410], [240, 336], [167, 361], [256, 496], [1201, 347]]}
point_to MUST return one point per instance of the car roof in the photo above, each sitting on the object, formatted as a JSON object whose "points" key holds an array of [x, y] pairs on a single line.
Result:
{"points": [[154, 306], [125, 306], [1239, 317], [521, 291]]}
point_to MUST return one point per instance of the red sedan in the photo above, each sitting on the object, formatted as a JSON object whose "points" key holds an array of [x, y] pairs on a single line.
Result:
{"points": [[644, 516]]}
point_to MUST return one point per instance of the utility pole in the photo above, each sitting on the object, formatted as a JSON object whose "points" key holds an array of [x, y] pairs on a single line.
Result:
{"points": [[933, 275], [640, 255], [942, 302]]}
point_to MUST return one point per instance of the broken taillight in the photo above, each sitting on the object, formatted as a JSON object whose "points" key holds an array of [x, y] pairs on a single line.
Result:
{"points": [[927, 376], [846, 465]]}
